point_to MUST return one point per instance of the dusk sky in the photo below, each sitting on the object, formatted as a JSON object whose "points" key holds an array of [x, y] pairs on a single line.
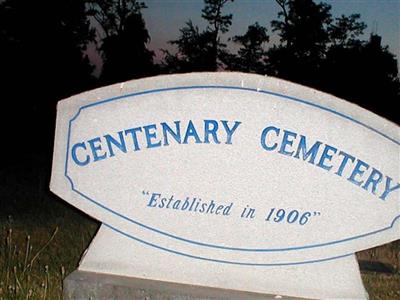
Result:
{"points": [[164, 18]]}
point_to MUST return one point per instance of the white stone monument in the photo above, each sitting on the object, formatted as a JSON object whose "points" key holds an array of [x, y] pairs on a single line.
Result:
{"points": [[229, 180]]}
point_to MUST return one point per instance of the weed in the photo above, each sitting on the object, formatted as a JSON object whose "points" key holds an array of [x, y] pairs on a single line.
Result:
{"points": [[22, 276], [35, 260]]}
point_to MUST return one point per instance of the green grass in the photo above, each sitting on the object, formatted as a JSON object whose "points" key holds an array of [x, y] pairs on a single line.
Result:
{"points": [[43, 238], [22, 276], [35, 257], [36, 253], [382, 286]]}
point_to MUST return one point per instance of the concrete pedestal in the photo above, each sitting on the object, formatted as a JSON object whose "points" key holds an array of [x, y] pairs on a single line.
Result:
{"points": [[121, 261], [81, 285]]}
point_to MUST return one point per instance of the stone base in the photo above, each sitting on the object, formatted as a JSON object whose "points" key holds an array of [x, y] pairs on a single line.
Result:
{"points": [[81, 285], [112, 253]]}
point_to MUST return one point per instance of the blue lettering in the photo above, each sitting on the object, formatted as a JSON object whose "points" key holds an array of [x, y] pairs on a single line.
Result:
{"points": [[326, 156], [185, 204], [176, 204], [202, 207], [227, 210], [303, 148], [388, 188], [210, 128], [75, 157], [132, 132], [358, 171], [191, 132], [374, 178], [219, 208], [162, 202], [175, 134], [346, 158], [151, 135], [119, 144], [211, 206], [96, 148], [230, 131], [288, 138], [264, 137], [153, 199], [170, 201]]}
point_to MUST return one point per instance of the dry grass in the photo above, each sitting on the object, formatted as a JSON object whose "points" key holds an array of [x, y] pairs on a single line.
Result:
{"points": [[382, 286], [34, 259], [48, 237], [22, 276], [381, 271]]}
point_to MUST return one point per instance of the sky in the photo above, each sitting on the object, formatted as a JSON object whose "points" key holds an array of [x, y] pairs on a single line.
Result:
{"points": [[164, 18]]}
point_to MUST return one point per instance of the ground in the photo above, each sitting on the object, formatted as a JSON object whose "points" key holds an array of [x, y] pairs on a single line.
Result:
{"points": [[42, 239]]}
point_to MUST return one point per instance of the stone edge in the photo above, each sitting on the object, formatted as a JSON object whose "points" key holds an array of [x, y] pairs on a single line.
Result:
{"points": [[90, 285]]}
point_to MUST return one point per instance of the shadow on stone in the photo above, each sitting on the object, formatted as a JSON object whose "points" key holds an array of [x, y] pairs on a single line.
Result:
{"points": [[81, 285], [376, 266]]}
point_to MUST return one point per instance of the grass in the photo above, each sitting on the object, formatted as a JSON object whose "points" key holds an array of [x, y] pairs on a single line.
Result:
{"points": [[35, 258], [19, 274], [380, 271], [382, 286], [42, 240]]}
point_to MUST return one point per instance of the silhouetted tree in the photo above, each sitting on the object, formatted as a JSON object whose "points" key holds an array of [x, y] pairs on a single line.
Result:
{"points": [[365, 73], [346, 30], [329, 55], [44, 42], [218, 23], [124, 47], [201, 51], [43, 59], [194, 51], [251, 54], [112, 15], [342, 60], [304, 36]]}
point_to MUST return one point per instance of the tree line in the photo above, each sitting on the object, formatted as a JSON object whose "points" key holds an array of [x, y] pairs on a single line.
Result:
{"points": [[44, 52]]}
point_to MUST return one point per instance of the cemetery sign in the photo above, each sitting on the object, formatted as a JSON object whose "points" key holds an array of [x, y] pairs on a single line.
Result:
{"points": [[230, 168]]}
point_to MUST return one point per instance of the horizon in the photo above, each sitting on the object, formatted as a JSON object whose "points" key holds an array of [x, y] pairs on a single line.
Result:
{"points": [[382, 17]]}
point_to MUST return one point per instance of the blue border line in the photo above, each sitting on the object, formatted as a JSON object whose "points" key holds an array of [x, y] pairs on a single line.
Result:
{"points": [[242, 89], [225, 247], [205, 244], [224, 261]]}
